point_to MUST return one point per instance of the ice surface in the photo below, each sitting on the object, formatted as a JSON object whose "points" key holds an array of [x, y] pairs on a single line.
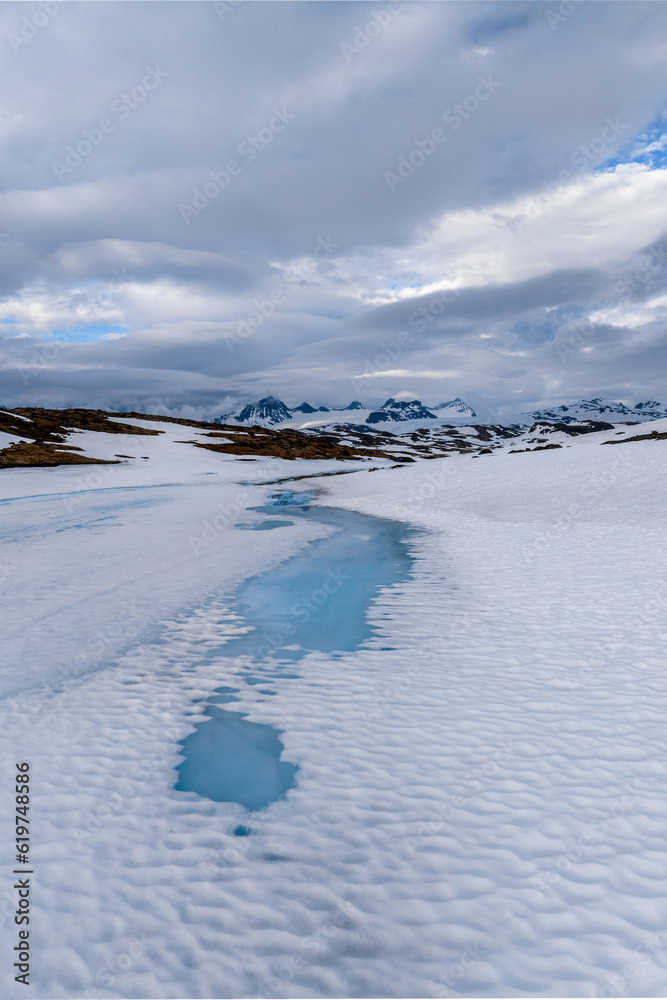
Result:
{"points": [[229, 759], [316, 600], [265, 525]]}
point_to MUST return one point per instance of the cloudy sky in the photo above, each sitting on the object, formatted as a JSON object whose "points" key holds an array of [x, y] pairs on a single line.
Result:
{"points": [[204, 203]]}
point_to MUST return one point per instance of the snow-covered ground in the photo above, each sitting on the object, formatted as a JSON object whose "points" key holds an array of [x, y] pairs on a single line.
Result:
{"points": [[479, 808]]}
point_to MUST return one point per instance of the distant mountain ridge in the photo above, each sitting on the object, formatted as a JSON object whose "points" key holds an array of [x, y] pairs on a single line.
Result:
{"points": [[586, 409], [270, 411]]}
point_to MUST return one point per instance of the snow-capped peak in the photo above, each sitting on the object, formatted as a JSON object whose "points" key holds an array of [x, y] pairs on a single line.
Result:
{"points": [[651, 406], [402, 409], [269, 410], [455, 407]]}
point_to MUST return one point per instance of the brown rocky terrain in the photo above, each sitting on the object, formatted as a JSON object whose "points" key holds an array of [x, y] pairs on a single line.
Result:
{"points": [[45, 434], [48, 430]]}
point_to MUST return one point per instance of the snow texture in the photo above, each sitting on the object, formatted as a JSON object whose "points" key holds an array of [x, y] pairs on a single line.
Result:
{"points": [[479, 808]]}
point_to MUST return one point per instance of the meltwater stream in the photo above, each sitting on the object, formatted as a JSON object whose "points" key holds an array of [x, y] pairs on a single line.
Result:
{"points": [[316, 600]]}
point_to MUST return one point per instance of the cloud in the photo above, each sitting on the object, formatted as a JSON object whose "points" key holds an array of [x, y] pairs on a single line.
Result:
{"points": [[298, 267]]}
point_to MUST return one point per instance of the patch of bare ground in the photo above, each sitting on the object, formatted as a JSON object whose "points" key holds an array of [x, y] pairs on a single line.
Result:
{"points": [[540, 447], [49, 430], [53, 425], [44, 453], [287, 443], [653, 436]]}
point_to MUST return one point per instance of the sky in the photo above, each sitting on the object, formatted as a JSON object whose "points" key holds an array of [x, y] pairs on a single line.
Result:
{"points": [[206, 203]]}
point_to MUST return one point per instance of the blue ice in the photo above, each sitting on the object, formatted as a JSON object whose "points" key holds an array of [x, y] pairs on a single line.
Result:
{"points": [[264, 525], [316, 600], [229, 759]]}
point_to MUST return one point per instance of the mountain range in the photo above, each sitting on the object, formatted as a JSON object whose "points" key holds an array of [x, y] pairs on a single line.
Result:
{"points": [[587, 409], [271, 411]]}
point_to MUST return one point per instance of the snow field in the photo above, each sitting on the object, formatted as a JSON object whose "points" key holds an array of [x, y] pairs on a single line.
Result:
{"points": [[558, 559], [95, 556], [480, 808]]}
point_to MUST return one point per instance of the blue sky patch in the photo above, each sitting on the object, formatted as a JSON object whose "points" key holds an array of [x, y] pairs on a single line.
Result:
{"points": [[87, 334], [648, 148]]}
